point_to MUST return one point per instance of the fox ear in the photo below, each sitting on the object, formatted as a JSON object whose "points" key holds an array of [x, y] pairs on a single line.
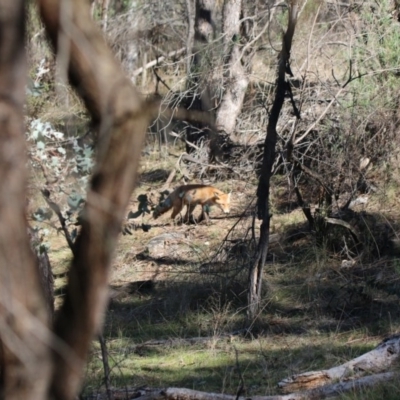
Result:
{"points": [[216, 195], [229, 196]]}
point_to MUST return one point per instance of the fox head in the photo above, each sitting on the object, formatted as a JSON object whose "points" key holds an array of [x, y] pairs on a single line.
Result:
{"points": [[223, 201]]}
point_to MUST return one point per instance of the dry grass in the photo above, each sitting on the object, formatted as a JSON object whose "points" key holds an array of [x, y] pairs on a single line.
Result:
{"points": [[315, 314]]}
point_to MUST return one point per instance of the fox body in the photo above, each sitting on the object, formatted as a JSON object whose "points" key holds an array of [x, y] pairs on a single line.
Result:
{"points": [[191, 196]]}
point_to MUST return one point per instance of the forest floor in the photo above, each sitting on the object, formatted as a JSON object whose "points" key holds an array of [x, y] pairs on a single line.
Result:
{"points": [[177, 313]]}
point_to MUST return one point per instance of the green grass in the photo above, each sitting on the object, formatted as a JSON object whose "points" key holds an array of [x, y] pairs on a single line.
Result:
{"points": [[314, 318], [387, 391], [315, 315], [217, 365]]}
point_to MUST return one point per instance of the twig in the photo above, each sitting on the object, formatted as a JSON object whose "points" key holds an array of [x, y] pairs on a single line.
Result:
{"points": [[171, 176], [313, 175], [312, 126], [56, 209], [157, 60], [187, 157], [306, 209], [241, 389], [106, 366]]}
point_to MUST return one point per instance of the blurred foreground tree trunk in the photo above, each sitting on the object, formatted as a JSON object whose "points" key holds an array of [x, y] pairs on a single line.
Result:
{"points": [[121, 117], [35, 364], [24, 338], [263, 213]]}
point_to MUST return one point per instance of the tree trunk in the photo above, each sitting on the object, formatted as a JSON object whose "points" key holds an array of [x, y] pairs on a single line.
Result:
{"points": [[23, 334], [199, 94], [45, 272], [256, 271], [218, 87], [131, 56], [47, 282], [190, 8], [121, 116], [105, 4], [204, 32], [235, 69]]}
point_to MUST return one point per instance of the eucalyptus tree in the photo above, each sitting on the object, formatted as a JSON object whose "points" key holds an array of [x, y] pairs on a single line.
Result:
{"points": [[40, 359]]}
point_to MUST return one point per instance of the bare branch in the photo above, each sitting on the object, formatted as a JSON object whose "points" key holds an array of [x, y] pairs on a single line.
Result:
{"points": [[61, 219], [158, 60]]}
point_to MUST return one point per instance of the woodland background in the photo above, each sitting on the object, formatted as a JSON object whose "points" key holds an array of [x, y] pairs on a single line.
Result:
{"points": [[291, 106]]}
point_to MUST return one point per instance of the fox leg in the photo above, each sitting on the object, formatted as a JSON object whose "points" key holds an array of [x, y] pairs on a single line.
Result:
{"points": [[176, 210], [204, 214], [189, 213]]}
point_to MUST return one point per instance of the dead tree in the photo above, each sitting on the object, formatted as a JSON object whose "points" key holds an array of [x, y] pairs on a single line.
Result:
{"points": [[263, 210]]}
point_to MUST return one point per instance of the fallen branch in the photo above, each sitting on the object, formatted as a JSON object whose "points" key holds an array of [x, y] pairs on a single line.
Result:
{"points": [[167, 183], [324, 392], [157, 60], [375, 361], [314, 394], [353, 232]]}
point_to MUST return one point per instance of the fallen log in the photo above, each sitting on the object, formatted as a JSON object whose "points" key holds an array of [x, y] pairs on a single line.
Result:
{"points": [[373, 362], [328, 391]]}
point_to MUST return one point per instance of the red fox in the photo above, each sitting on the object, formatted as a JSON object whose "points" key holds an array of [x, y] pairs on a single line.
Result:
{"points": [[191, 196]]}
